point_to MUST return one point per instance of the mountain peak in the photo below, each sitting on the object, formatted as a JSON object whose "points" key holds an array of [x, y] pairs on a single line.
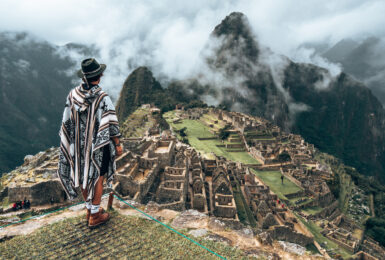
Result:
{"points": [[236, 25], [138, 89], [236, 40]]}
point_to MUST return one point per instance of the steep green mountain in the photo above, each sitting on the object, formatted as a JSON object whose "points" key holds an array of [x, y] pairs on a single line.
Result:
{"points": [[337, 113], [33, 86], [141, 87], [340, 50], [364, 60]]}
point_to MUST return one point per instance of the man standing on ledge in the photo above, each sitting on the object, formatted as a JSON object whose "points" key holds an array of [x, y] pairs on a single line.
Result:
{"points": [[89, 141]]}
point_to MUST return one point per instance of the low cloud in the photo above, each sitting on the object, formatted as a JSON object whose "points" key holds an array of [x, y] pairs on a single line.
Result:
{"points": [[168, 36]]}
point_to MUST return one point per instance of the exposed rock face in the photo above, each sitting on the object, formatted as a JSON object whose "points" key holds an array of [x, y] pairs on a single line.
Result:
{"points": [[238, 55], [292, 248], [190, 218], [328, 110]]}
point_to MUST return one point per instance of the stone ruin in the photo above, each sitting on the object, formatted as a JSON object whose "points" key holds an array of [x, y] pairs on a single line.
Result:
{"points": [[159, 168], [35, 180], [172, 190], [341, 231], [276, 219], [222, 197], [313, 183], [198, 192]]}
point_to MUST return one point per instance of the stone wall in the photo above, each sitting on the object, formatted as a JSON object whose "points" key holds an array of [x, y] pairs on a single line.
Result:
{"points": [[39, 193], [128, 186], [177, 205], [173, 173], [285, 233], [198, 201], [327, 211], [165, 193], [224, 206]]}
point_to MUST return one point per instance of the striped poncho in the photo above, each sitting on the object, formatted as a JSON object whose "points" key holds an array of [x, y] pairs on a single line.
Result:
{"points": [[89, 122]]}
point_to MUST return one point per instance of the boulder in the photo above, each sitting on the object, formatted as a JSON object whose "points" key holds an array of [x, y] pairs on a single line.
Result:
{"points": [[198, 232]]}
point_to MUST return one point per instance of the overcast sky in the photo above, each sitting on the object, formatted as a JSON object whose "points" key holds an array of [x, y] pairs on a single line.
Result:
{"points": [[176, 31]]}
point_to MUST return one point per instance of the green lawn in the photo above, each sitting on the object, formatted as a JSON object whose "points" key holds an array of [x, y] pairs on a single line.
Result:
{"points": [[312, 210], [273, 180], [197, 129]]}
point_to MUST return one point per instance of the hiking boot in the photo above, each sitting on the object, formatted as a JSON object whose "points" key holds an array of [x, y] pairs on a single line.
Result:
{"points": [[88, 214], [98, 219]]}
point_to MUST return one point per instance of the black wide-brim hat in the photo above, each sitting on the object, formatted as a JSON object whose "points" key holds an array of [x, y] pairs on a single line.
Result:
{"points": [[91, 68]]}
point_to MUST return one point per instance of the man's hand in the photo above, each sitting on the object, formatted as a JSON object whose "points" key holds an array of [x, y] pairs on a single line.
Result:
{"points": [[118, 146], [119, 150]]}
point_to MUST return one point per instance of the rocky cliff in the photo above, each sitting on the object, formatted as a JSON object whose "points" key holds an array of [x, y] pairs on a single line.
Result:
{"points": [[338, 114]]}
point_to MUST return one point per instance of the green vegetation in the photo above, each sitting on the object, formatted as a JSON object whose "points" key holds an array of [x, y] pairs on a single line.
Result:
{"points": [[141, 87], [273, 180], [137, 123], [195, 129], [312, 210], [375, 228], [121, 237], [345, 178], [323, 241], [223, 133], [313, 249], [244, 213]]}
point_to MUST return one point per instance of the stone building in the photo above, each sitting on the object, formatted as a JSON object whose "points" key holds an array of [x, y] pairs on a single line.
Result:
{"points": [[36, 180], [197, 186], [135, 174], [172, 190], [223, 203]]}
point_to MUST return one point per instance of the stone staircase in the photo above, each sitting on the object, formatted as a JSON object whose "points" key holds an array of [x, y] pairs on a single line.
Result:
{"points": [[123, 162]]}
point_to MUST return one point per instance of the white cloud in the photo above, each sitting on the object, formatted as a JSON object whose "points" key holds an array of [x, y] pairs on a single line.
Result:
{"points": [[169, 35]]}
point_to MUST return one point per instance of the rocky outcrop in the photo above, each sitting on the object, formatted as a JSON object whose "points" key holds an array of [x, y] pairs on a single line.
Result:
{"points": [[328, 110], [285, 233]]}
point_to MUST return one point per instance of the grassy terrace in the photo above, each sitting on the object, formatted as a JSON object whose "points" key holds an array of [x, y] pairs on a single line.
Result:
{"points": [[195, 129], [328, 244], [210, 119], [312, 210], [273, 180], [122, 237], [134, 125]]}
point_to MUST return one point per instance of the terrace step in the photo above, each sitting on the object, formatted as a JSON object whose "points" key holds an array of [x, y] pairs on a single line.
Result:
{"points": [[123, 168], [122, 160]]}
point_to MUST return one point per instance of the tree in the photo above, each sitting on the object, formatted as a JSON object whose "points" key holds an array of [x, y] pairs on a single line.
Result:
{"points": [[284, 157], [182, 132], [223, 133]]}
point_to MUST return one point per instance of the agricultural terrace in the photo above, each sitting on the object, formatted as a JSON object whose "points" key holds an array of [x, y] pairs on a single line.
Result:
{"points": [[197, 129]]}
